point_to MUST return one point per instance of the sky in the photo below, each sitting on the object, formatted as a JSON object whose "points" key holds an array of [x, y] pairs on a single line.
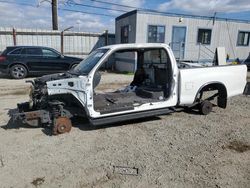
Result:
{"points": [[37, 13]]}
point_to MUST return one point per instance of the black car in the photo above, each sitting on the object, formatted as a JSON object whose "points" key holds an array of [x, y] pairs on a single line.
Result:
{"points": [[20, 61]]}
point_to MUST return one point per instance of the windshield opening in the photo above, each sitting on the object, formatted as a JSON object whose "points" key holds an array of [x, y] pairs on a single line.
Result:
{"points": [[88, 64]]}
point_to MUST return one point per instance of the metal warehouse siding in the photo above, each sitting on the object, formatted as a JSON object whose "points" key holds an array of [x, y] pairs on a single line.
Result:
{"points": [[224, 33], [37, 37], [5, 40], [75, 43]]}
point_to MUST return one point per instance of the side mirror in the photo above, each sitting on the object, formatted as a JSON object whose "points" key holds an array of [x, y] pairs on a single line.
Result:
{"points": [[61, 56]]}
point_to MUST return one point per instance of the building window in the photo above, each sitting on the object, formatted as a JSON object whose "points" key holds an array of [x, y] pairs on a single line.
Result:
{"points": [[124, 34], [243, 38], [204, 36], [156, 34]]}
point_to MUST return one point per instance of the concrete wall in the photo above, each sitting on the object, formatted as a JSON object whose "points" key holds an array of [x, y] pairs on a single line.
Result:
{"points": [[75, 43]]}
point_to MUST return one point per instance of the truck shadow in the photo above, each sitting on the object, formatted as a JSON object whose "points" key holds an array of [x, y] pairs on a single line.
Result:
{"points": [[80, 123], [85, 125], [13, 123], [194, 110]]}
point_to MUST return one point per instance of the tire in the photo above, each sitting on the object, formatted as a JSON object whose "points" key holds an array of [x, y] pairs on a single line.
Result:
{"points": [[18, 71], [73, 66], [206, 107]]}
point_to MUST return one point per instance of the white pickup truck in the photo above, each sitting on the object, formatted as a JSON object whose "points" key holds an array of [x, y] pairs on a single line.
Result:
{"points": [[158, 87]]}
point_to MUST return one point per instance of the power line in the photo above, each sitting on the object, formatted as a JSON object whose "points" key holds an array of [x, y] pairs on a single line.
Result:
{"points": [[153, 10], [100, 14], [133, 7], [116, 4], [63, 9], [99, 1], [98, 7]]}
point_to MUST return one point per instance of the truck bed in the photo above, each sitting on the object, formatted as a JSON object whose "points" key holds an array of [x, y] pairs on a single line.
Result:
{"points": [[191, 80]]}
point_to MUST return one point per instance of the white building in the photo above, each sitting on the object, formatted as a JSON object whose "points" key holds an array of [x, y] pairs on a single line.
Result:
{"points": [[191, 37]]}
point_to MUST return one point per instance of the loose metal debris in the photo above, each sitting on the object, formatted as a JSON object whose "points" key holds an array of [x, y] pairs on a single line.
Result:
{"points": [[126, 170]]}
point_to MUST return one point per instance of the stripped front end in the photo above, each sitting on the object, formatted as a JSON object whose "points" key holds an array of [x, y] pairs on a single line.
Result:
{"points": [[54, 99]]}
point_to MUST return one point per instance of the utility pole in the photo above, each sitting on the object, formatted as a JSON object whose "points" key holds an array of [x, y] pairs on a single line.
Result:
{"points": [[214, 17], [54, 14]]}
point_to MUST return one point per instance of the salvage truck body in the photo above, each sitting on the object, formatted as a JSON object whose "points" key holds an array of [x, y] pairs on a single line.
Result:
{"points": [[158, 86]]}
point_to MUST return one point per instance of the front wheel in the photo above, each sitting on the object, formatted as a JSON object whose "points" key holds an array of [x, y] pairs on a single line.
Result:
{"points": [[62, 125], [73, 66], [18, 71], [205, 107]]}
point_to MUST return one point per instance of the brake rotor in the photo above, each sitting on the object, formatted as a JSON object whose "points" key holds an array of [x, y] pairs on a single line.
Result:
{"points": [[62, 125]]}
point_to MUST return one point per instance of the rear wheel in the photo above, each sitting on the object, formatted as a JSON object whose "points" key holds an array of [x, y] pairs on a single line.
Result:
{"points": [[205, 107], [18, 71]]}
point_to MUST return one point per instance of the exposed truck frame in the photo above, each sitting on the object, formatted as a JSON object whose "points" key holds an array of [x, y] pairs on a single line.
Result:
{"points": [[159, 86]]}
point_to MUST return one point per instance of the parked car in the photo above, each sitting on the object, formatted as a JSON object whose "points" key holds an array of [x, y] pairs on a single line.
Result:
{"points": [[158, 87], [20, 61]]}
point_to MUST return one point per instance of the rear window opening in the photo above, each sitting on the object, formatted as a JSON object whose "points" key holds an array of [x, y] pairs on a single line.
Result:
{"points": [[16, 52]]}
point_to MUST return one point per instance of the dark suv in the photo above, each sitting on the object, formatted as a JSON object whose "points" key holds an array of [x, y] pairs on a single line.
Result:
{"points": [[19, 61]]}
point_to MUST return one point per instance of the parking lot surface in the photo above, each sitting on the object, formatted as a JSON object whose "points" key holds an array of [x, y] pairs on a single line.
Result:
{"points": [[183, 149]]}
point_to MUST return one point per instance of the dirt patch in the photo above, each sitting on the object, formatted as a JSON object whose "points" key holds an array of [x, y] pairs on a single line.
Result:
{"points": [[238, 146], [38, 181]]}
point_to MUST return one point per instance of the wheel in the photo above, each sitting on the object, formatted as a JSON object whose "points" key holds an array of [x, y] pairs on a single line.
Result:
{"points": [[73, 66], [18, 71], [206, 107], [62, 125]]}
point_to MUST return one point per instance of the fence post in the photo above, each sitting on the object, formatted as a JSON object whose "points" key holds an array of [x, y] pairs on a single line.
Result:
{"points": [[14, 36], [62, 38]]}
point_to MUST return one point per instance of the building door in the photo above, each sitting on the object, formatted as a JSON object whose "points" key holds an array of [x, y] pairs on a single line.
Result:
{"points": [[178, 41]]}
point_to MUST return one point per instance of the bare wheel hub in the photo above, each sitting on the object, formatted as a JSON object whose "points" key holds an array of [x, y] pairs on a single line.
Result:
{"points": [[62, 125]]}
